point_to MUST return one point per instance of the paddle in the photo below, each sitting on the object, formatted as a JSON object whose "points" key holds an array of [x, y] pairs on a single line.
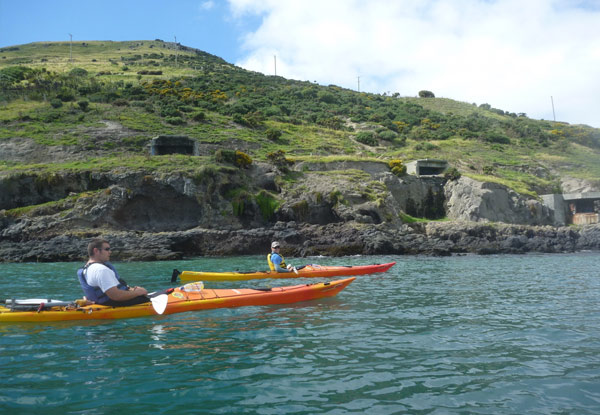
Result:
{"points": [[175, 275], [35, 304], [160, 300]]}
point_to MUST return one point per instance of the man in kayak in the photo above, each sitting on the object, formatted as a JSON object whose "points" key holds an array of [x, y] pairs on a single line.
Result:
{"points": [[101, 282], [276, 261]]}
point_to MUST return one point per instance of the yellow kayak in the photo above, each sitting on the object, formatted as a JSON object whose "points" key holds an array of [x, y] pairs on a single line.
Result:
{"points": [[189, 297], [308, 271]]}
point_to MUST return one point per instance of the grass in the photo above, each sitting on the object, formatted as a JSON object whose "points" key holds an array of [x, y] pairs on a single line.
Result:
{"points": [[95, 56], [158, 164], [334, 158], [411, 219], [448, 106], [308, 142]]}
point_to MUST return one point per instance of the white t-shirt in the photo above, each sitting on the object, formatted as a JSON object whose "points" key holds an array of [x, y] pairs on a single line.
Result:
{"points": [[99, 275]]}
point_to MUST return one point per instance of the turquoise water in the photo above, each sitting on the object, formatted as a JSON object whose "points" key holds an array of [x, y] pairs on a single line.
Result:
{"points": [[457, 335]]}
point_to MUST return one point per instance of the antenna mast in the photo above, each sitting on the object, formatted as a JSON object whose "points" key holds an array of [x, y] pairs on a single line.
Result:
{"points": [[176, 49]]}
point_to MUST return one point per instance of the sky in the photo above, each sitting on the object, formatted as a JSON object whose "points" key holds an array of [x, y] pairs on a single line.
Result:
{"points": [[538, 57]]}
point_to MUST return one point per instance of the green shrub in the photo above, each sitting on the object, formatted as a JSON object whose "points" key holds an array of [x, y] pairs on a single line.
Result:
{"points": [[426, 147], [50, 116], [239, 202], [199, 116], [272, 111], [78, 72], [56, 103], [251, 119], [170, 111], [175, 120], [267, 204], [387, 135], [397, 167], [186, 108], [273, 134], [452, 174], [335, 123], [366, 137], [66, 95], [225, 156], [495, 137], [400, 141], [242, 159], [326, 97], [235, 157], [83, 104], [14, 74], [279, 160], [426, 94]]}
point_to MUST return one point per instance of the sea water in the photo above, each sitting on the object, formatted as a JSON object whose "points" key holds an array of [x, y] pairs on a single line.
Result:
{"points": [[452, 335]]}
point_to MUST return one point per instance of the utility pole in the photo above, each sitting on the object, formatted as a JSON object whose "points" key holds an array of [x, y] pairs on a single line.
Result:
{"points": [[358, 77], [71, 48], [275, 63], [176, 49], [553, 114]]}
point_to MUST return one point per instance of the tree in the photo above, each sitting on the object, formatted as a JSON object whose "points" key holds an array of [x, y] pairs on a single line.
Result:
{"points": [[426, 94]]}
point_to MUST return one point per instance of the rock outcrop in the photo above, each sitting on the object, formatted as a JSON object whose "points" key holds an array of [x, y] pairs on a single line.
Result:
{"points": [[470, 200], [328, 209]]}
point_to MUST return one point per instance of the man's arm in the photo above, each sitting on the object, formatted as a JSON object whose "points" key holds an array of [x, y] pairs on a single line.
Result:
{"points": [[277, 262], [121, 295]]}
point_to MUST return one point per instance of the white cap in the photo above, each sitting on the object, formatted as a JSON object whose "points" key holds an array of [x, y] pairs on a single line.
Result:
{"points": [[275, 244]]}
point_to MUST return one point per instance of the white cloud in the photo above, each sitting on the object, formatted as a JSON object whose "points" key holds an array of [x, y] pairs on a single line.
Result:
{"points": [[512, 54], [207, 5]]}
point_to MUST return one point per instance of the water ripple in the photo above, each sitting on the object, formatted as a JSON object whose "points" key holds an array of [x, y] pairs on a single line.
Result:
{"points": [[458, 335]]}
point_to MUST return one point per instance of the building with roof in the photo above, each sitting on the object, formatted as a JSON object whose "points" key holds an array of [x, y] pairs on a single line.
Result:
{"points": [[574, 208]]}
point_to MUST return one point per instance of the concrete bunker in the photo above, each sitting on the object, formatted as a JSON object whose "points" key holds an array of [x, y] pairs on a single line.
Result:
{"points": [[173, 144], [426, 167]]}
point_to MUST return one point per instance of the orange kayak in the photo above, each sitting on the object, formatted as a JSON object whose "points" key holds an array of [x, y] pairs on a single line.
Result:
{"points": [[190, 297], [308, 271]]}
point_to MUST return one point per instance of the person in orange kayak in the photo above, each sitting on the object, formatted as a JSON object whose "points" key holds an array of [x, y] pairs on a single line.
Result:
{"points": [[276, 261], [101, 282]]}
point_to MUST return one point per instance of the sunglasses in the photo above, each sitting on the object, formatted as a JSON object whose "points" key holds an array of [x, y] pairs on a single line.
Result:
{"points": [[105, 249]]}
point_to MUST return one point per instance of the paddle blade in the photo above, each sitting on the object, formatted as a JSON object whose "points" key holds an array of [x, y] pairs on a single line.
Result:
{"points": [[159, 303]]}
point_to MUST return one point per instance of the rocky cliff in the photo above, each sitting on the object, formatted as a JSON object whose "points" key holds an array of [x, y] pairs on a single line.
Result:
{"points": [[337, 208]]}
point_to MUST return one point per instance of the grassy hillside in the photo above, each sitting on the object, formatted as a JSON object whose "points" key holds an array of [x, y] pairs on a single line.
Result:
{"points": [[58, 94]]}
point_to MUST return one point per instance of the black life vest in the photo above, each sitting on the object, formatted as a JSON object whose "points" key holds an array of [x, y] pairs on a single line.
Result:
{"points": [[95, 294]]}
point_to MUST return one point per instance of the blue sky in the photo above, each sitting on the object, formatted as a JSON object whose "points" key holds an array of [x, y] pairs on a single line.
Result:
{"points": [[206, 25], [515, 55]]}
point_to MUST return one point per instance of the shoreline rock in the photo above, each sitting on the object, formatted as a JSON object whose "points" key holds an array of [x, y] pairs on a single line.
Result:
{"points": [[301, 240], [333, 209]]}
